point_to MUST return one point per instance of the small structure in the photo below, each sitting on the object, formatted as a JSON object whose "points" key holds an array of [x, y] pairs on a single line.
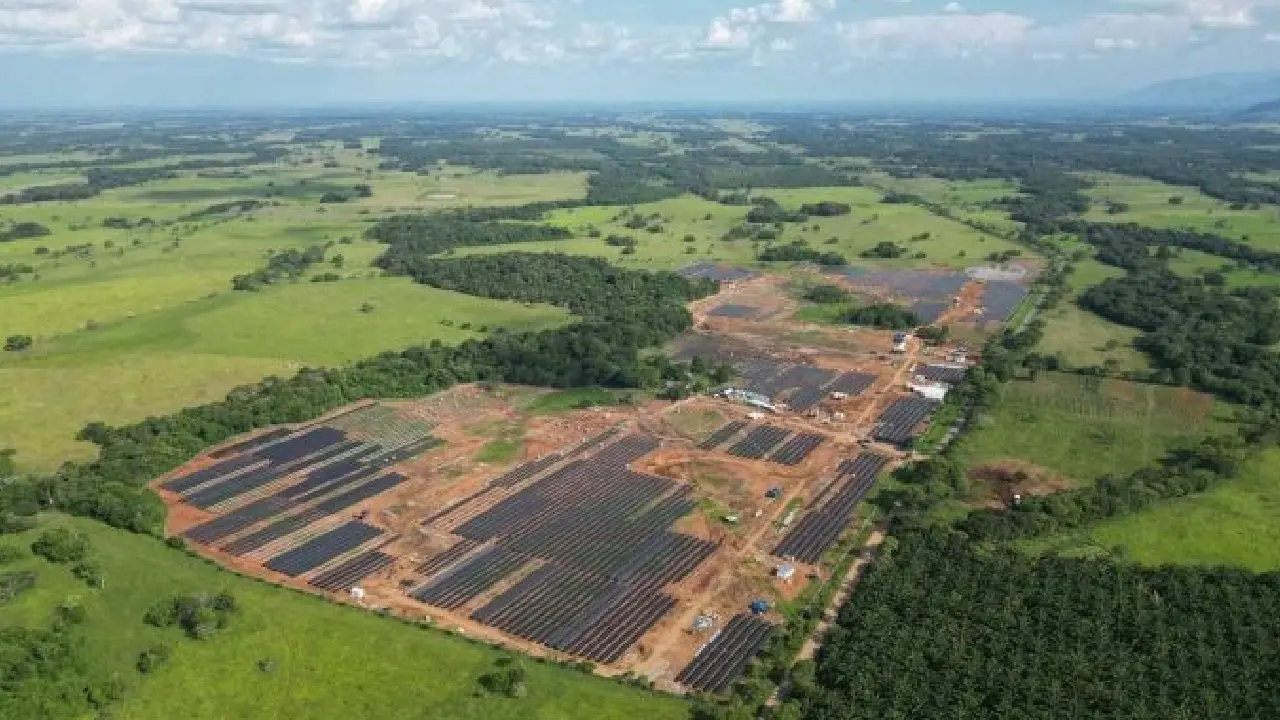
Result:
{"points": [[774, 492], [703, 622], [930, 391], [785, 572], [750, 398], [900, 342], [790, 517], [357, 593], [759, 607]]}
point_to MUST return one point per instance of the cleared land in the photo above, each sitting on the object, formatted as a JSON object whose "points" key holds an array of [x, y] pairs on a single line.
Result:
{"points": [[577, 524], [334, 661], [196, 352], [141, 321], [1237, 524], [1149, 203], [1066, 429], [944, 242], [1083, 339]]}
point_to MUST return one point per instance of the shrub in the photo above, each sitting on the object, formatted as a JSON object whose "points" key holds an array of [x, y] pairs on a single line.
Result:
{"points": [[13, 583], [60, 545], [15, 343], [152, 658], [88, 571]]}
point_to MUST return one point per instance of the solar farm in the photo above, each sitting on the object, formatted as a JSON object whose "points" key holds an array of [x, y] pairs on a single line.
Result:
{"points": [[980, 296], [642, 538]]}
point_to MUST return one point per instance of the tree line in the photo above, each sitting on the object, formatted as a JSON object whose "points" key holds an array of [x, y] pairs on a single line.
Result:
{"points": [[941, 627], [412, 237], [622, 312]]}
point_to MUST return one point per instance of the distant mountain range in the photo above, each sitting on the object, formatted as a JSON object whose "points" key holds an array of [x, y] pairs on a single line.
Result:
{"points": [[1262, 112], [1224, 93]]}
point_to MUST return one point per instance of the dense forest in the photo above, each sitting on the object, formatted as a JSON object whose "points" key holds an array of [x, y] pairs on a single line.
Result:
{"points": [[799, 251], [415, 236], [942, 628]]}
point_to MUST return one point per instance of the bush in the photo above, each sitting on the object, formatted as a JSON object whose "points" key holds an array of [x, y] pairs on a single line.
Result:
{"points": [[13, 583], [15, 343], [885, 251], [152, 658], [199, 616], [14, 524], [507, 679], [885, 316], [10, 553], [60, 545], [826, 294], [88, 571]]}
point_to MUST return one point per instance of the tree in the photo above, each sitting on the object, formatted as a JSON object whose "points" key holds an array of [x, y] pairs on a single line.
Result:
{"points": [[60, 545], [16, 343]]}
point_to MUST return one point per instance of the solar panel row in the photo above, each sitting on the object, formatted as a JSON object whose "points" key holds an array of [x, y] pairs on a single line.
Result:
{"points": [[723, 659], [320, 550]]}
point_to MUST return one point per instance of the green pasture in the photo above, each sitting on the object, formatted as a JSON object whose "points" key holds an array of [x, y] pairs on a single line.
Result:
{"points": [[325, 661], [1081, 338], [948, 244], [1148, 202], [1236, 524], [145, 322], [195, 352], [28, 158], [968, 200], [1083, 428]]}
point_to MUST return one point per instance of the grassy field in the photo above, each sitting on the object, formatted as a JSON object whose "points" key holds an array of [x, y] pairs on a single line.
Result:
{"points": [[143, 321], [1237, 524], [1082, 428], [969, 200], [196, 352], [1083, 339], [1149, 204], [944, 242], [329, 661]]}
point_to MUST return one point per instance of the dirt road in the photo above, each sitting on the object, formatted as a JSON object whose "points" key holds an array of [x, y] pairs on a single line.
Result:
{"points": [[865, 557]]}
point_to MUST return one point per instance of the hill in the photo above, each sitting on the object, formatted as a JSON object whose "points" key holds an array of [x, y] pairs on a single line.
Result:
{"points": [[1262, 112], [282, 652], [1220, 92]]}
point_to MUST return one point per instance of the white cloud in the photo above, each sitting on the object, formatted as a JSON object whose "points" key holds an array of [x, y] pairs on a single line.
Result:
{"points": [[724, 34], [951, 35], [1106, 43], [335, 30], [953, 7], [1271, 37]]}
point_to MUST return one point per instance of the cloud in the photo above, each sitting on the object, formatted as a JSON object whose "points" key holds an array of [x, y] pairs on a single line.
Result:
{"points": [[358, 31], [741, 27], [952, 35], [1271, 38], [953, 7], [1105, 43], [724, 34]]}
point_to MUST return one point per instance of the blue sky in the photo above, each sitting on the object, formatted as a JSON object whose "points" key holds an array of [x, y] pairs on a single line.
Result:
{"points": [[291, 52]]}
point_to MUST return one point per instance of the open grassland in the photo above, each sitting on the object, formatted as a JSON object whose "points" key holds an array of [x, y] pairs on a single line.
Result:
{"points": [[1081, 428], [1237, 524], [692, 229], [130, 323], [968, 200], [325, 661], [1081, 338], [196, 352], [1148, 203]]}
